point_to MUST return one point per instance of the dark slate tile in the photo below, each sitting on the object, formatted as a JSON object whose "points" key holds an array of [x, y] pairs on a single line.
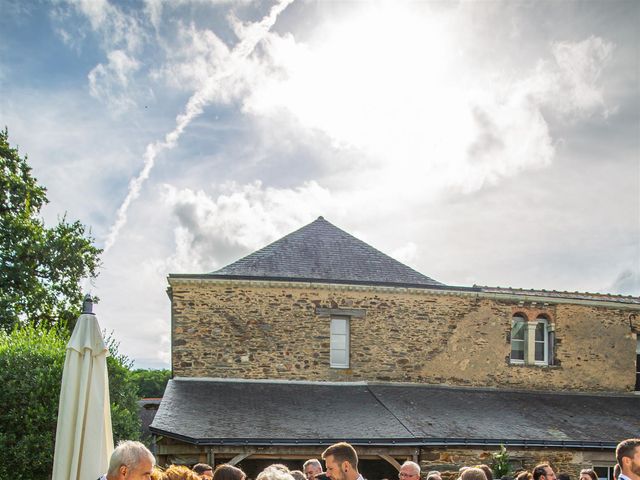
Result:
{"points": [[322, 251]]}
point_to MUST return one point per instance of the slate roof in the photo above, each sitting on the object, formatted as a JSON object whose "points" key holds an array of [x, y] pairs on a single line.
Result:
{"points": [[209, 412], [322, 252]]}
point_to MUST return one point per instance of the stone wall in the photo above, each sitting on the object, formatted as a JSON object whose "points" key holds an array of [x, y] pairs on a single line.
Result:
{"points": [[571, 461], [236, 329]]}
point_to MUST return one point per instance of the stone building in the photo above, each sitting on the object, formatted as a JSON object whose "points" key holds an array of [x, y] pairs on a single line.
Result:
{"points": [[319, 337]]}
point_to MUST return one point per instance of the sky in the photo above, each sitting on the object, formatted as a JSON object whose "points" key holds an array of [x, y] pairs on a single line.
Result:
{"points": [[481, 143]]}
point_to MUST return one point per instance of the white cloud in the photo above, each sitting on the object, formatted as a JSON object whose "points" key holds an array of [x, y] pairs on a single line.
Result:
{"points": [[193, 59], [110, 83], [215, 229], [627, 282], [580, 66], [404, 104], [407, 253], [202, 97], [118, 30]]}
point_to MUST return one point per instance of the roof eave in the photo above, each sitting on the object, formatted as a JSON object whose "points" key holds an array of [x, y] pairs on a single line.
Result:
{"points": [[211, 276], [389, 442]]}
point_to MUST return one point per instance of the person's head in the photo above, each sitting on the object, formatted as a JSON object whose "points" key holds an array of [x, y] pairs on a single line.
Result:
{"points": [[473, 474], [524, 476], [180, 472], [204, 470], [543, 471], [311, 468], [130, 460], [409, 471], [434, 475], [341, 460], [487, 471], [585, 474], [228, 472], [628, 457], [616, 471], [298, 475], [158, 474], [275, 472], [563, 476]]}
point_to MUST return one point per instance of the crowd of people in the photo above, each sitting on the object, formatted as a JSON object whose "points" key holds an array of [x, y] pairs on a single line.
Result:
{"points": [[133, 461]]}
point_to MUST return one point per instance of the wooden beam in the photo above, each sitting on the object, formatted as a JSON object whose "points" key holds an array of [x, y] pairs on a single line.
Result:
{"points": [[391, 460], [238, 458]]}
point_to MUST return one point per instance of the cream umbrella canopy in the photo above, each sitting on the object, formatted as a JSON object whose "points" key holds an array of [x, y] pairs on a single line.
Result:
{"points": [[84, 440]]}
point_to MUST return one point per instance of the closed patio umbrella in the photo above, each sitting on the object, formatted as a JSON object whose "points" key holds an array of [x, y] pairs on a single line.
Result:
{"points": [[84, 440]]}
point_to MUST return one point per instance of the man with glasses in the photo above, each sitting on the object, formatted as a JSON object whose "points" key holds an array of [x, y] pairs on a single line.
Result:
{"points": [[409, 471], [544, 472], [311, 468]]}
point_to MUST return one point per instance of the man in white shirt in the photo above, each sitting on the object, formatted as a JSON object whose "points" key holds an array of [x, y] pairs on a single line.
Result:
{"points": [[628, 457], [130, 461], [341, 460]]}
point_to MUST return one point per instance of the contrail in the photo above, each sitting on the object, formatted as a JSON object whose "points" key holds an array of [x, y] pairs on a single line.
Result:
{"points": [[254, 34]]}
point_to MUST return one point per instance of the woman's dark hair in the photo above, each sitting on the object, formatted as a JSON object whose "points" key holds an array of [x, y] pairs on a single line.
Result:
{"points": [[590, 472], [228, 472]]}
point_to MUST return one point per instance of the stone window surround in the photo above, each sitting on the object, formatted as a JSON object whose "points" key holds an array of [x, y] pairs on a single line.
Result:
{"points": [[342, 313], [530, 336]]}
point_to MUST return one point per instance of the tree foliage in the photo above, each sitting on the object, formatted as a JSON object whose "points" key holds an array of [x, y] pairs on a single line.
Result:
{"points": [[31, 365], [124, 394], [151, 383], [40, 267]]}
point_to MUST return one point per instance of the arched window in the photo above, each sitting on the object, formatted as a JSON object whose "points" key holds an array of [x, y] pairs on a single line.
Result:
{"points": [[518, 338], [541, 341]]}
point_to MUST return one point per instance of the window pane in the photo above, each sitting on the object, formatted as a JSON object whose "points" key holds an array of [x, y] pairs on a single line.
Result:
{"points": [[338, 357], [517, 331], [539, 351], [339, 342], [517, 350], [603, 472], [338, 325], [540, 332]]}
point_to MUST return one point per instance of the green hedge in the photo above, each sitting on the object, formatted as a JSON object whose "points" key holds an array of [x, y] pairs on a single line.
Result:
{"points": [[31, 364]]}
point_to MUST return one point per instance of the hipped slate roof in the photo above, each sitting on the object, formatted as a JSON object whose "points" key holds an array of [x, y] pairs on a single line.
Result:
{"points": [[240, 412], [322, 252]]}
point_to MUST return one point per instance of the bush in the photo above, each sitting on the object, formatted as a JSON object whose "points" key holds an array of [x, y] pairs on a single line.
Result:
{"points": [[31, 364], [501, 465]]}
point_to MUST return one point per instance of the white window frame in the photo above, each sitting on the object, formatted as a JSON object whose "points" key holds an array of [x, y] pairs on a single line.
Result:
{"points": [[339, 338], [638, 363], [519, 318], [609, 469], [545, 339]]}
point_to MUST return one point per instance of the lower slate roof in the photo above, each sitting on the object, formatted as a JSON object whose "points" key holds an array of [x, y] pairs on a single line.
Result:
{"points": [[238, 412]]}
